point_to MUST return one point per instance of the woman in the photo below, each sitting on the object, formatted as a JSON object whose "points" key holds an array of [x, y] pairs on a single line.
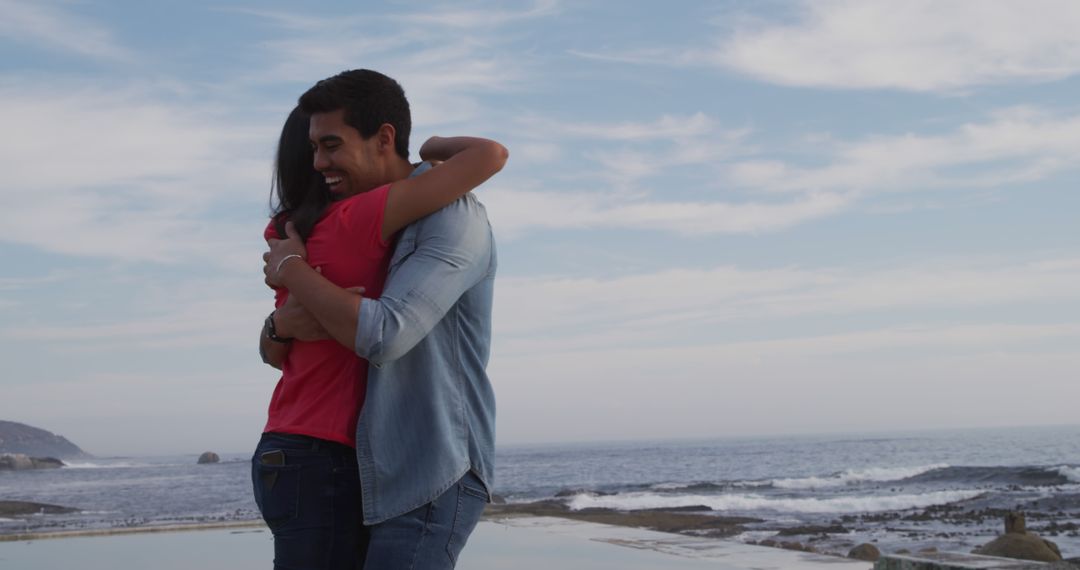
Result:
{"points": [[304, 469]]}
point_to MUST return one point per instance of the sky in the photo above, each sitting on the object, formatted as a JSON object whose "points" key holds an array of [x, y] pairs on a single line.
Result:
{"points": [[720, 218]]}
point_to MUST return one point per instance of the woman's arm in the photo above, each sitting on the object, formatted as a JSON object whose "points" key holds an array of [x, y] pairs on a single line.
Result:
{"points": [[468, 162], [272, 352]]}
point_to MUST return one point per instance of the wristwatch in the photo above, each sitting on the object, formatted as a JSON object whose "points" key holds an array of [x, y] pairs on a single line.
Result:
{"points": [[271, 332]]}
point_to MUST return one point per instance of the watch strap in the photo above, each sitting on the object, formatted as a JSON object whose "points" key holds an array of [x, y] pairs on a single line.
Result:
{"points": [[271, 330]]}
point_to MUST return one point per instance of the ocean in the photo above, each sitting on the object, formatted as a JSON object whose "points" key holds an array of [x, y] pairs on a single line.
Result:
{"points": [[942, 489]]}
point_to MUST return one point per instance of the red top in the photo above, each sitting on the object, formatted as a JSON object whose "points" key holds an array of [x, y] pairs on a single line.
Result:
{"points": [[322, 386]]}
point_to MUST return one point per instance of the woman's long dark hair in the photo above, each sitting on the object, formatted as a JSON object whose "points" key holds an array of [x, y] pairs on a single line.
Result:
{"points": [[301, 192]]}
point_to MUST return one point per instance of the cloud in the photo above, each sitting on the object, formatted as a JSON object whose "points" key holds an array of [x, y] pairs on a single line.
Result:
{"points": [[930, 376], [452, 20], [130, 175], [634, 160], [920, 45], [514, 212], [445, 59], [214, 322], [24, 283], [666, 127], [220, 406], [672, 307], [480, 18], [53, 28], [1013, 145], [148, 310], [626, 152]]}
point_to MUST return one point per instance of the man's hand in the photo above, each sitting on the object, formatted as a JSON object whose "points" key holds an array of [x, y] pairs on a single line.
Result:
{"points": [[292, 320], [282, 251]]}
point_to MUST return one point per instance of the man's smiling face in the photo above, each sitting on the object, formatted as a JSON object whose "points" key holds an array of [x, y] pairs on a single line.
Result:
{"points": [[349, 163]]}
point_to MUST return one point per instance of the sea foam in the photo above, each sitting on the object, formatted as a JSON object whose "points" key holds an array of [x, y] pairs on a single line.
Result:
{"points": [[89, 465], [754, 502]]}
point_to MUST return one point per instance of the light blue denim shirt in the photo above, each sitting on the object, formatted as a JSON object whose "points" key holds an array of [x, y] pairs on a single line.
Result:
{"points": [[429, 416]]}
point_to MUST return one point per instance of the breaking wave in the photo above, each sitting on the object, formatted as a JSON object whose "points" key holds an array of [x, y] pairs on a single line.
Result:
{"points": [[754, 502], [1072, 474], [855, 476]]}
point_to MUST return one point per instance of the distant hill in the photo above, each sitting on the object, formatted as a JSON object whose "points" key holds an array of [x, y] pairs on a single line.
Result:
{"points": [[35, 442]]}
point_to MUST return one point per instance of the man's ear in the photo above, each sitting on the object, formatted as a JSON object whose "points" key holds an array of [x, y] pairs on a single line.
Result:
{"points": [[386, 135]]}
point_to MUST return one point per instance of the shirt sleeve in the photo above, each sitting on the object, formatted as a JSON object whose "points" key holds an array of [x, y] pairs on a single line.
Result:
{"points": [[453, 253]]}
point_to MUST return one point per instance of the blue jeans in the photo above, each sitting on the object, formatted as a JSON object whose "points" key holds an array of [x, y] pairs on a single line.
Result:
{"points": [[432, 536], [308, 491]]}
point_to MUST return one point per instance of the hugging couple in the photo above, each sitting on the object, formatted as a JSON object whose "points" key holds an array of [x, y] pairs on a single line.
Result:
{"points": [[378, 451]]}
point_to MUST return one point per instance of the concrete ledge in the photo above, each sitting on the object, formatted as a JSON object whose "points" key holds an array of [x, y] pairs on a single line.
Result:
{"points": [[954, 561]]}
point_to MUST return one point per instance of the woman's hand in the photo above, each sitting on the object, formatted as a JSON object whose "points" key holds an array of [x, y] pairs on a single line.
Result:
{"points": [[283, 251]]}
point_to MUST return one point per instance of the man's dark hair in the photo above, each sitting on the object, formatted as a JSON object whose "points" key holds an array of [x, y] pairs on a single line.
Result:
{"points": [[369, 99]]}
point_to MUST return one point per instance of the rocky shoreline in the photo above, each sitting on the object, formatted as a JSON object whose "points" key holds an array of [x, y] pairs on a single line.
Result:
{"points": [[833, 538], [683, 521]]}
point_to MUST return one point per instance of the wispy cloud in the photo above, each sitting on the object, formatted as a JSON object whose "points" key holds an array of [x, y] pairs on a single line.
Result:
{"points": [[51, 27], [446, 59], [672, 304], [517, 211], [791, 384], [1014, 145], [475, 16], [202, 310], [921, 45], [479, 17], [210, 323], [625, 153], [635, 162], [20, 283], [130, 175]]}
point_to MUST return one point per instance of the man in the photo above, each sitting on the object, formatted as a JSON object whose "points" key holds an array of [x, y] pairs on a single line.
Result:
{"points": [[425, 436]]}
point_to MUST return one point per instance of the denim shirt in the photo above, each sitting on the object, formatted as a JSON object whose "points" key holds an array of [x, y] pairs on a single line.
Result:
{"points": [[429, 416]]}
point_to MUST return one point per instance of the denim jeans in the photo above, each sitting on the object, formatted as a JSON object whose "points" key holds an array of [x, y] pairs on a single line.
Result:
{"points": [[308, 491], [432, 536]]}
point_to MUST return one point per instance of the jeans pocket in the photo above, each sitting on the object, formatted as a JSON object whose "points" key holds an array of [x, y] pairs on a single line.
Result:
{"points": [[277, 493], [472, 499], [477, 491]]}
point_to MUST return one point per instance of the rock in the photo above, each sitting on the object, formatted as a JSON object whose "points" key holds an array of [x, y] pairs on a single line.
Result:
{"points": [[21, 462], [209, 457], [686, 509], [1015, 523], [1053, 547], [16, 508], [865, 551], [812, 529], [1022, 547], [15, 462], [798, 546], [36, 442], [46, 462]]}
